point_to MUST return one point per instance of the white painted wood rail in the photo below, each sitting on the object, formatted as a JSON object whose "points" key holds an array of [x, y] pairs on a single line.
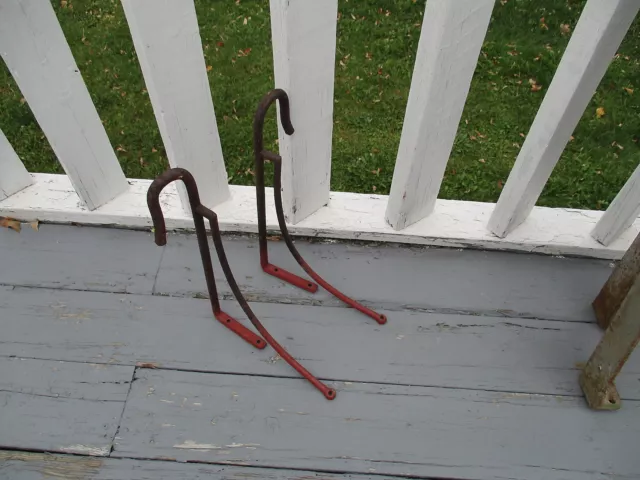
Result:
{"points": [[304, 46], [622, 212], [34, 48], [450, 42], [600, 30], [167, 40], [13, 176]]}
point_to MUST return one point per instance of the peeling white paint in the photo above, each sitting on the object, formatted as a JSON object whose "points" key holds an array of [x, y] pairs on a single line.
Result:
{"points": [[191, 445], [88, 450]]}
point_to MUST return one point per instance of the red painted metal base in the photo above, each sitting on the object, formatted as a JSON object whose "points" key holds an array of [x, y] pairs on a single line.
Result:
{"points": [[240, 330], [289, 277]]}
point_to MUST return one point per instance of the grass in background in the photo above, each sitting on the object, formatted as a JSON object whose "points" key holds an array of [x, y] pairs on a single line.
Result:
{"points": [[376, 48]]}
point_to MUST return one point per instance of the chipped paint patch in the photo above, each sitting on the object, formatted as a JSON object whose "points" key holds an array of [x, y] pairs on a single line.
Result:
{"points": [[87, 450], [191, 445]]}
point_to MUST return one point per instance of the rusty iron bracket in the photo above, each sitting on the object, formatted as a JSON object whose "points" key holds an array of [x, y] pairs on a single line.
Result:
{"points": [[617, 309], [260, 156], [200, 212]]}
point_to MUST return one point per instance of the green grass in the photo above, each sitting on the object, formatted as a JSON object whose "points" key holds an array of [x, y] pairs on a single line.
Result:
{"points": [[376, 47]]}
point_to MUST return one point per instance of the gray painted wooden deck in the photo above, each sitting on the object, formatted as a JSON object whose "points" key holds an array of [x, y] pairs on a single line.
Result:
{"points": [[474, 376]]}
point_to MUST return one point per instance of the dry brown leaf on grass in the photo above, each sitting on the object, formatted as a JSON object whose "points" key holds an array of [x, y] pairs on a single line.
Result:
{"points": [[600, 112], [35, 225], [8, 222]]}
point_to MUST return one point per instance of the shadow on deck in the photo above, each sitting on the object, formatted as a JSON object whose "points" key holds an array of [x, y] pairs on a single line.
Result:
{"points": [[109, 351]]}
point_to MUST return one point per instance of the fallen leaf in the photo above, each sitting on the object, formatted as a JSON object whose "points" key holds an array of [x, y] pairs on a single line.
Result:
{"points": [[629, 90], [536, 88], [22, 100], [373, 188], [571, 138], [209, 68], [8, 222], [274, 238], [600, 112], [142, 162], [147, 365], [564, 29], [220, 44], [244, 22], [481, 160], [35, 225], [153, 149]]}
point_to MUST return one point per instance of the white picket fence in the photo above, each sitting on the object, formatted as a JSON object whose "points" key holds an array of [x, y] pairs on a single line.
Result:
{"points": [[167, 42]]}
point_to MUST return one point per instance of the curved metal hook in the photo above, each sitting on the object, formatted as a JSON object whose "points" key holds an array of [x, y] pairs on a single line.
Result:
{"points": [[199, 213], [260, 156], [153, 202]]}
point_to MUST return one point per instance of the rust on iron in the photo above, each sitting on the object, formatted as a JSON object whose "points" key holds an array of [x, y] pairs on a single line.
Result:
{"points": [[260, 156], [617, 309], [200, 212]]}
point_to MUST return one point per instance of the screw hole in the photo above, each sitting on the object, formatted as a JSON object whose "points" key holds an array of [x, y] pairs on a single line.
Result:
{"points": [[311, 284], [228, 320], [275, 269], [257, 341]]}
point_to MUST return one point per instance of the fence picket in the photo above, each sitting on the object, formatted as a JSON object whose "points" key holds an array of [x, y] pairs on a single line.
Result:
{"points": [[13, 176], [450, 41], [304, 45], [622, 212], [598, 34], [167, 41], [34, 48]]}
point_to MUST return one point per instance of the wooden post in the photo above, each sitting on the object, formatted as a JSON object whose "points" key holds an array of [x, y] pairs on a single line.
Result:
{"points": [[13, 176], [621, 213], [450, 42], [599, 32], [167, 40], [617, 309], [34, 48], [304, 46]]}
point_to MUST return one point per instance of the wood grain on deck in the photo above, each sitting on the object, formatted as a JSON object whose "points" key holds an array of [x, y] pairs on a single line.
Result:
{"points": [[474, 376]]}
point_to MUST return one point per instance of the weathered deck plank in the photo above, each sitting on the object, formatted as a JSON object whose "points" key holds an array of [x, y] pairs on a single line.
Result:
{"points": [[374, 428], [393, 277], [61, 406], [492, 353], [389, 276], [42, 466], [79, 258]]}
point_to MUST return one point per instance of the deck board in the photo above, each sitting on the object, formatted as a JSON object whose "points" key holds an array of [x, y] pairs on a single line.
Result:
{"points": [[61, 406], [79, 258], [39, 466], [396, 278], [492, 353], [388, 276], [386, 429]]}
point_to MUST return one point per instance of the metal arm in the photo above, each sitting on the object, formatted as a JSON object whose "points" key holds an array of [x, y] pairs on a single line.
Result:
{"points": [[200, 212], [260, 156]]}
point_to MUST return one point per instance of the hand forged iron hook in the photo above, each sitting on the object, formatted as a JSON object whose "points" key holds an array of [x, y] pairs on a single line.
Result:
{"points": [[200, 212], [260, 156]]}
